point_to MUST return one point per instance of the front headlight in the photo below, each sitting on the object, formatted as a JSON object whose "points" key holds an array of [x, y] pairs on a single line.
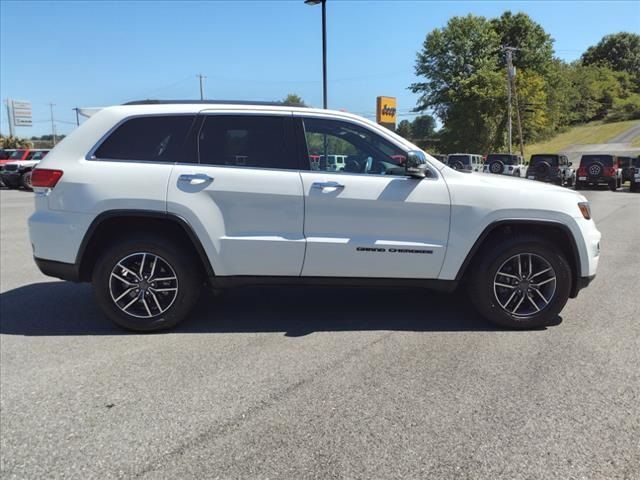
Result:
{"points": [[585, 210]]}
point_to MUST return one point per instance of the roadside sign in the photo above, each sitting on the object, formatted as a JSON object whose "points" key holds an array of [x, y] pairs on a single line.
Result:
{"points": [[21, 113], [386, 111]]}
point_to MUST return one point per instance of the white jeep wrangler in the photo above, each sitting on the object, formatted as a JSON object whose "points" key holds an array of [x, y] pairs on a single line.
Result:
{"points": [[152, 200]]}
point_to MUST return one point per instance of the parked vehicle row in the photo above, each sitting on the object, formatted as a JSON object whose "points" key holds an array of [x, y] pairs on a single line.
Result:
{"points": [[594, 169], [15, 170]]}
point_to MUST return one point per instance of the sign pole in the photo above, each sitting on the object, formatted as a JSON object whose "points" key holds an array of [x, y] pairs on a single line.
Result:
{"points": [[9, 118]]}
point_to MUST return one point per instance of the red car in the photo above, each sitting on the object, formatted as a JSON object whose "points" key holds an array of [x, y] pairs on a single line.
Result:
{"points": [[19, 154]]}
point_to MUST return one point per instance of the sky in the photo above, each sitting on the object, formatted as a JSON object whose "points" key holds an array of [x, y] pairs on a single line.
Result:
{"points": [[74, 53]]}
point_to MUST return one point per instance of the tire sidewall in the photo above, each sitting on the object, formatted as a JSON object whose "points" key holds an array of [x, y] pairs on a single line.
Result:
{"points": [[189, 283], [482, 283]]}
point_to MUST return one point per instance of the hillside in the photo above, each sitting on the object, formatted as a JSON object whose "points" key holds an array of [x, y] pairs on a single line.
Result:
{"points": [[590, 133]]}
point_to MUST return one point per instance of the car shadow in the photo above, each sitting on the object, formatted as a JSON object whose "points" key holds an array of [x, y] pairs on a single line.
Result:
{"points": [[64, 308]]}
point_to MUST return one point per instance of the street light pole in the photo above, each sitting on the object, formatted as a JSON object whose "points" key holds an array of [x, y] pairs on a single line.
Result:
{"points": [[324, 47]]}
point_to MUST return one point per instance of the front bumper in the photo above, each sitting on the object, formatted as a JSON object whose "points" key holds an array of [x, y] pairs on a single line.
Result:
{"points": [[11, 179]]}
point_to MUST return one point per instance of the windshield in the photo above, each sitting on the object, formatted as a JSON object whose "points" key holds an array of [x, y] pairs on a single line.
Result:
{"points": [[550, 159], [506, 159], [606, 160], [464, 159], [17, 155], [36, 155]]}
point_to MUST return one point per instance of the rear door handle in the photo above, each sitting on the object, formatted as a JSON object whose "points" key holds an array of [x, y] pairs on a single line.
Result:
{"points": [[323, 185], [195, 178]]}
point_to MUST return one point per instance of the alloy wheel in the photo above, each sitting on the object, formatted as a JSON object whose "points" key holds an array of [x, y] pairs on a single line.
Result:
{"points": [[143, 285], [524, 285]]}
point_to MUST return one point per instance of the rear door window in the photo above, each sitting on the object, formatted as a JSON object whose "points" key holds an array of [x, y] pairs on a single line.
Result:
{"points": [[150, 138], [247, 141]]}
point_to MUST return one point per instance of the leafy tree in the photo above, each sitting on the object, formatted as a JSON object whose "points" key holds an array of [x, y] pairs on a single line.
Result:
{"points": [[620, 52], [534, 44], [423, 127], [13, 142], [293, 100], [404, 129], [451, 55]]}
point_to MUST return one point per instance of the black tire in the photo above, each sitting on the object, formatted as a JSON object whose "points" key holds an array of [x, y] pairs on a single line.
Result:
{"points": [[188, 282], [632, 186], [578, 185], [484, 271], [613, 185], [25, 180]]}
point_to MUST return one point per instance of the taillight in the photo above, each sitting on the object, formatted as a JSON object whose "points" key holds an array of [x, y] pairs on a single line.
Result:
{"points": [[582, 171], [43, 177], [612, 171]]}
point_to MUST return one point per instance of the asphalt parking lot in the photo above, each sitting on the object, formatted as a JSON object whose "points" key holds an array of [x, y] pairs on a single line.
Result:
{"points": [[321, 383]]}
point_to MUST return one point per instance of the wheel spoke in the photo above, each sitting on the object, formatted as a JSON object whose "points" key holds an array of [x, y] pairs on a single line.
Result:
{"points": [[504, 285], [508, 275], [136, 298], [172, 289], [520, 265], [515, 310], [530, 267], [126, 292], [155, 299], [164, 279], [144, 256], [126, 282], [509, 300], [540, 273], [153, 267], [546, 302], [552, 279], [144, 302], [533, 303], [129, 271]]}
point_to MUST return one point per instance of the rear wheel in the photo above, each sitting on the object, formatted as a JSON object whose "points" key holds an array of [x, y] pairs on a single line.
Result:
{"points": [[145, 283], [579, 185], [26, 181], [613, 185], [521, 283]]}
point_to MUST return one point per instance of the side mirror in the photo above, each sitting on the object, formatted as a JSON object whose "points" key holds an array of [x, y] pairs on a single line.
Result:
{"points": [[416, 166]]}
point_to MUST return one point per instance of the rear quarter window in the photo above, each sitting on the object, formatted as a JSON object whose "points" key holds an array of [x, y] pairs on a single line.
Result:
{"points": [[151, 138]]}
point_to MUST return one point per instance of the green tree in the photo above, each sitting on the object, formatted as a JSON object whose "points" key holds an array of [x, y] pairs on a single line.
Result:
{"points": [[404, 129], [450, 56], [620, 52], [293, 100], [520, 31]]}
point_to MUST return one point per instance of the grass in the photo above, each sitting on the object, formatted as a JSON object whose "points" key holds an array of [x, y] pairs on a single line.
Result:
{"points": [[594, 132], [636, 141]]}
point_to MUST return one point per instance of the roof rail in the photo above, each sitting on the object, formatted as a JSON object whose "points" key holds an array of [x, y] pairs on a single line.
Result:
{"points": [[209, 102]]}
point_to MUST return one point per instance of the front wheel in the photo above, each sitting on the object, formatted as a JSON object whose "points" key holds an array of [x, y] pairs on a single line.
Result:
{"points": [[146, 283], [26, 181], [521, 283]]}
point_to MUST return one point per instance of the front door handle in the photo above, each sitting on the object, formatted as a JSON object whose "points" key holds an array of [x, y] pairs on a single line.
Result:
{"points": [[195, 178], [323, 185]]}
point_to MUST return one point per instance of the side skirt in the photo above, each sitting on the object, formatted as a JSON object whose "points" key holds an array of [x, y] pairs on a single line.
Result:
{"points": [[219, 282]]}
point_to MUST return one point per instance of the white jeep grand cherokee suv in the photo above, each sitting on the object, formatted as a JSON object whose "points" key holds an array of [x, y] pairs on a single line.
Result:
{"points": [[152, 200]]}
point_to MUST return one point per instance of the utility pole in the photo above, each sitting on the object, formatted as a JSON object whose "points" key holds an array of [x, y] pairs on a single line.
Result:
{"points": [[77, 116], [515, 97], [201, 77], [53, 125], [8, 101], [509, 53]]}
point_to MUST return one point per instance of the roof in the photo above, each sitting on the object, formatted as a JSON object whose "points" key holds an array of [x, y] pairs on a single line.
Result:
{"points": [[211, 102]]}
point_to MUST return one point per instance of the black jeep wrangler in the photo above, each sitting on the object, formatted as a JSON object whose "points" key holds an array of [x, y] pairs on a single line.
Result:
{"points": [[551, 168], [626, 166], [596, 169]]}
